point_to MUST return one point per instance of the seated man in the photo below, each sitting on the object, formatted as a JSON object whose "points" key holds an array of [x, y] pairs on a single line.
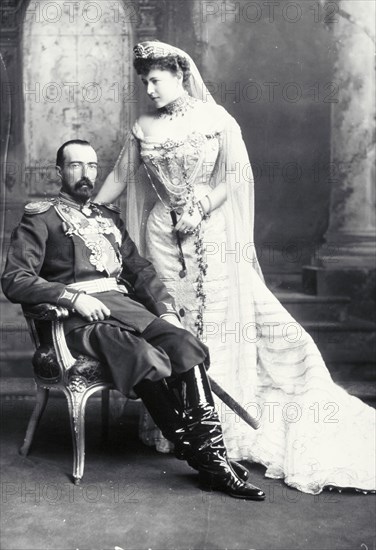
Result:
{"points": [[72, 252]]}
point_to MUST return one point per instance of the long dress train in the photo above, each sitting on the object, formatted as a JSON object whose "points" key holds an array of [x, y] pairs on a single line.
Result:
{"points": [[313, 434]]}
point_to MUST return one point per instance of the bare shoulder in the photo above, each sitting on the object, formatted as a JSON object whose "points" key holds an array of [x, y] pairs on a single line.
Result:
{"points": [[144, 124], [210, 107], [213, 115]]}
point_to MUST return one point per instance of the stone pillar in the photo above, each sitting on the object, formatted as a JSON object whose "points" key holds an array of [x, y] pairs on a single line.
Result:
{"points": [[351, 232], [346, 261]]}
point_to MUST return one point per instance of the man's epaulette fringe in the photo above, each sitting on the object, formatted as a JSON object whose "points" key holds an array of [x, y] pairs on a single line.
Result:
{"points": [[110, 206], [38, 207]]}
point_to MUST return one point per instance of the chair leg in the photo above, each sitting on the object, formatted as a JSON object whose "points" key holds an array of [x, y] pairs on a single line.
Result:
{"points": [[76, 404], [40, 405], [105, 413]]}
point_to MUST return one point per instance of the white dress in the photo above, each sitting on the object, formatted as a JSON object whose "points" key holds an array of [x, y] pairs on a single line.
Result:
{"points": [[313, 434]]}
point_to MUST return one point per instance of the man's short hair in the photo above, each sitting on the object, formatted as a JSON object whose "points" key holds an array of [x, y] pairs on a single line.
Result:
{"points": [[60, 152]]}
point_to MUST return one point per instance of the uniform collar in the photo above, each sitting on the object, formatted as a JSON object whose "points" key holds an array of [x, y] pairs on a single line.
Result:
{"points": [[69, 201]]}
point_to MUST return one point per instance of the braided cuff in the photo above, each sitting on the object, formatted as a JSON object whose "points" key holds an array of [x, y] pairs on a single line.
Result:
{"points": [[68, 297], [165, 308]]}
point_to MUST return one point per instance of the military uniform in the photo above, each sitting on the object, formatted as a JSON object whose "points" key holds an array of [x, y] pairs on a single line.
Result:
{"points": [[62, 248]]}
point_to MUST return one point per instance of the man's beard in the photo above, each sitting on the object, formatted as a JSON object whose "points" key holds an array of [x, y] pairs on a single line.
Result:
{"points": [[82, 191]]}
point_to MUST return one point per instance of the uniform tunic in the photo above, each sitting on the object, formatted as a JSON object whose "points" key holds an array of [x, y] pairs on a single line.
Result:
{"points": [[61, 242]]}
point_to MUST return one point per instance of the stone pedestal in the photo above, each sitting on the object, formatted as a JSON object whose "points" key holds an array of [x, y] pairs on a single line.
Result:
{"points": [[346, 262]]}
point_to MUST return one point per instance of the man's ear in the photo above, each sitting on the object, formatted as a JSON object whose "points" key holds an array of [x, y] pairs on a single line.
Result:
{"points": [[58, 172]]}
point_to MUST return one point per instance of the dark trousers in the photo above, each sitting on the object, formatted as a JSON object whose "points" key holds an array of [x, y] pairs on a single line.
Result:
{"points": [[160, 351]]}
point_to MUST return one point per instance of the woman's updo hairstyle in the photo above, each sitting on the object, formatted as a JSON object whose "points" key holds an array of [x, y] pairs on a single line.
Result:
{"points": [[172, 63]]}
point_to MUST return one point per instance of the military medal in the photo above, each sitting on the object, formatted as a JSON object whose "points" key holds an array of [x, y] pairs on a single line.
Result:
{"points": [[86, 210]]}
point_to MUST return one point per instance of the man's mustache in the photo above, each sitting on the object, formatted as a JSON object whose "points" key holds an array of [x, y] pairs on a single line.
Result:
{"points": [[84, 181]]}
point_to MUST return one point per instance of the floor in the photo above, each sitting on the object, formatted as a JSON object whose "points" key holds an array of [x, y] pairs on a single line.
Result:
{"points": [[134, 498]]}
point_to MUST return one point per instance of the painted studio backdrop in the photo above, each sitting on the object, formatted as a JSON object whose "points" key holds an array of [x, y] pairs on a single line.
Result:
{"points": [[297, 76]]}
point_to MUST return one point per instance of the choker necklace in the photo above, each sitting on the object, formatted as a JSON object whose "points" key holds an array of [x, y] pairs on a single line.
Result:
{"points": [[178, 107]]}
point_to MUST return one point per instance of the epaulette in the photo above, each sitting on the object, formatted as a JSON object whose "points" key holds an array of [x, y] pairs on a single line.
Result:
{"points": [[110, 206], [38, 207]]}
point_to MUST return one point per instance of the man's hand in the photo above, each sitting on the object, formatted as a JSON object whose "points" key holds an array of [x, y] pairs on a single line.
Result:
{"points": [[91, 308], [171, 318]]}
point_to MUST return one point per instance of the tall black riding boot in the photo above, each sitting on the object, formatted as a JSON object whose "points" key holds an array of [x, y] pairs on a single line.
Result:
{"points": [[166, 410], [203, 433]]}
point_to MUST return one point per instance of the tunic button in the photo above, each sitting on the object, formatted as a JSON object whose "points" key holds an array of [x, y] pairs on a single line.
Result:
{"points": [[181, 312]]}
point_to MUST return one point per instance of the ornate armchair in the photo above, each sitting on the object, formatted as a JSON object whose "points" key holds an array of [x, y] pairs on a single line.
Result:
{"points": [[55, 367]]}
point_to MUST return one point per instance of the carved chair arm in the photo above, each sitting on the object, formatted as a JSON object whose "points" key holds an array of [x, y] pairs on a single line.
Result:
{"points": [[45, 312], [56, 363], [55, 315]]}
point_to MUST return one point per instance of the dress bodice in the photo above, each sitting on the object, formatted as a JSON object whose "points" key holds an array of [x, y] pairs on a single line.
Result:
{"points": [[180, 164]]}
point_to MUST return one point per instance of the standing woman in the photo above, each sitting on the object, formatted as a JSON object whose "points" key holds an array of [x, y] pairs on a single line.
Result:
{"points": [[190, 210]]}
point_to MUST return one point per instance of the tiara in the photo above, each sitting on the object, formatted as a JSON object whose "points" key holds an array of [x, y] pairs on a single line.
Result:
{"points": [[146, 50]]}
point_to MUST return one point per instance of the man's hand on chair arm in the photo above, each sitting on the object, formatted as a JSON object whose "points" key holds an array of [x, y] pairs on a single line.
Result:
{"points": [[91, 308]]}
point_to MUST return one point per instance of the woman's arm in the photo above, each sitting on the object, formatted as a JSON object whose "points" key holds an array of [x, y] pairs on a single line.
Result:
{"points": [[210, 202], [214, 199], [112, 188], [231, 165], [126, 167]]}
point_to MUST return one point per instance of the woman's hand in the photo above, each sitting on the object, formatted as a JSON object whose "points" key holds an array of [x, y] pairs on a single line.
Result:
{"points": [[187, 223]]}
